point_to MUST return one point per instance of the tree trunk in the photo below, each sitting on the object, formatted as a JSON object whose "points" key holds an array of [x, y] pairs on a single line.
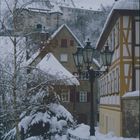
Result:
{"points": [[14, 91], [15, 73]]}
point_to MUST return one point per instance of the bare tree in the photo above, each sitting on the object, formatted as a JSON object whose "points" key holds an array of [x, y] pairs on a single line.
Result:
{"points": [[13, 13]]}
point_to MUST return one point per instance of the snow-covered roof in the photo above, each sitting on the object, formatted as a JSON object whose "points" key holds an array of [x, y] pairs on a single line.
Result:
{"points": [[62, 2], [28, 62], [32, 59], [50, 65], [42, 7], [37, 5], [132, 94], [94, 5], [55, 9], [65, 26], [127, 4], [32, 5], [119, 6]]}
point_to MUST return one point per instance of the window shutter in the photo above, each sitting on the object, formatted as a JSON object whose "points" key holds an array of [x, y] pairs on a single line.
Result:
{"points": [[88, 97], [77, 96], [72, 95]]}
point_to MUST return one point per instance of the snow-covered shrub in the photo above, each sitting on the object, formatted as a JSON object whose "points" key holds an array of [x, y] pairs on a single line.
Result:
{"points": [[46, 120]]}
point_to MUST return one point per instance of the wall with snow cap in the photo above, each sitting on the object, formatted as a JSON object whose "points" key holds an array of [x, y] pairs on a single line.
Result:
{"points": [[130, 114]]}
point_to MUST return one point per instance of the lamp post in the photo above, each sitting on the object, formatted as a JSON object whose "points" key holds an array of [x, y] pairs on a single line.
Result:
{"points": [[85, 56]]}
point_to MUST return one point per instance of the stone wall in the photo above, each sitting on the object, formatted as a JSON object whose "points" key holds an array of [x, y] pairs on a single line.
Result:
{"points": [[130, 116]]}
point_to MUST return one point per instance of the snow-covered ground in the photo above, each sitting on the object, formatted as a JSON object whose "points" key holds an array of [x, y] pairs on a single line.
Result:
{"points": [[82, 131]]}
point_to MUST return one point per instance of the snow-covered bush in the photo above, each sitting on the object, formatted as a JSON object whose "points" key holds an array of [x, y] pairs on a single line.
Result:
{"points": [[43, 121]]}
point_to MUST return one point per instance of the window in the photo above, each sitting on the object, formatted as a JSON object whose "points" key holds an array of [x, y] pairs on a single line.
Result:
{"points": [[65, 96], [71, 43], [39, 27], [83, 96], [63, 43], [137, 34], [0, 101], [110, 40], [84, 75], [100, 93], [117, 34], [116, 82], [109, 83], [101, 82], [64, 57], [113, 39], [137, 75], [112, 83]]}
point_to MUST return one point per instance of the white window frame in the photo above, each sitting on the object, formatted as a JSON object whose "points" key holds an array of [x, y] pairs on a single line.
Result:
{"points": [[117, 80], [64, 57], [83, 96], [65, 96], [112, 82]]}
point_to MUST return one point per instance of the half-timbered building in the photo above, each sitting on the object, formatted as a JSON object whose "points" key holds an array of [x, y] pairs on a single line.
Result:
{"points": [[121, 33]]}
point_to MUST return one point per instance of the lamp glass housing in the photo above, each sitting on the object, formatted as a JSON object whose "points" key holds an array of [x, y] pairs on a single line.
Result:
{"points": [[88, 53], [106, 56], [78, 58]]}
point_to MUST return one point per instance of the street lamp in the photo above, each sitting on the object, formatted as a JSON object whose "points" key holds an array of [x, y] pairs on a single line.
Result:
{"points": [[106, 56], [86, 55], [78, 58]]}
